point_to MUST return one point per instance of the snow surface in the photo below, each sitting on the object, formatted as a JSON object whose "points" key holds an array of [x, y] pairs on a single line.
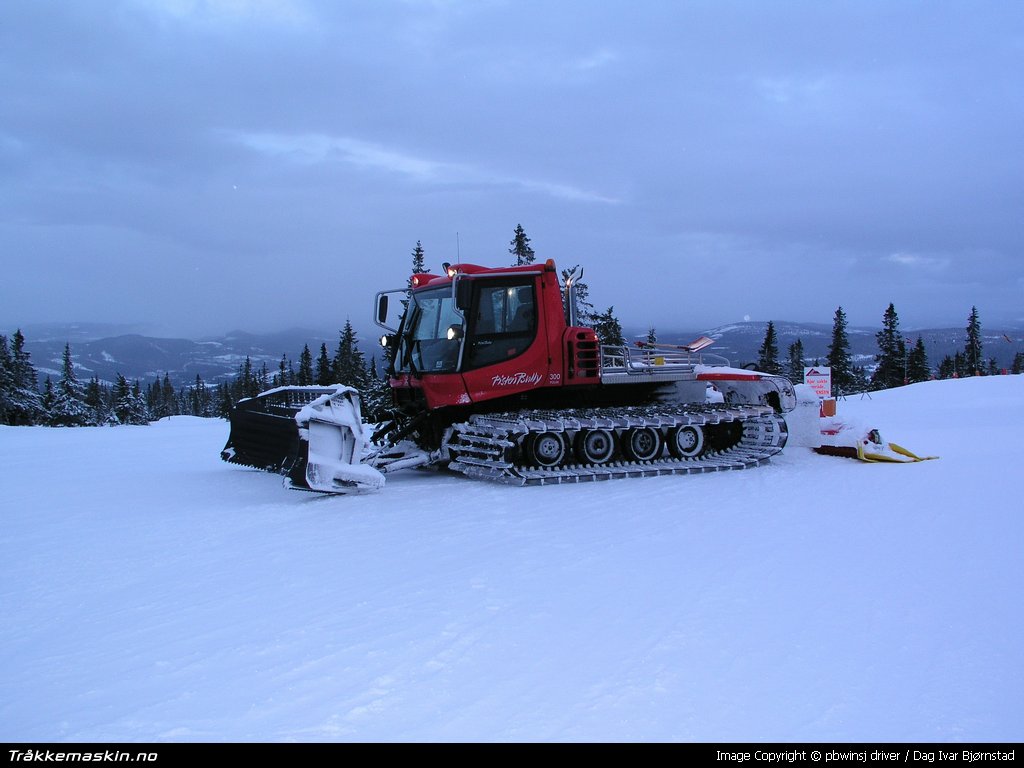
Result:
{"points": [[151, 592]]}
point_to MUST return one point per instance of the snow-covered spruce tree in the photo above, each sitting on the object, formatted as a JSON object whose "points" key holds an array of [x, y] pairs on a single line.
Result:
{"points": [[129, 407], [1018, 363], [892, 362], [305, 375], [768, 352], [608, 328], [349, 365], [68, 408], [26, 404], [917, 363], [47, 399], [161, 399], [652, 336], [521, 247], [838, 359], [6, 379], [795, 362], [376, 398], [974, 362]]}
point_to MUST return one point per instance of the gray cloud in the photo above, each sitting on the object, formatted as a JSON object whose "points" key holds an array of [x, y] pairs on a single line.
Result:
{"points": [[210, 164]]}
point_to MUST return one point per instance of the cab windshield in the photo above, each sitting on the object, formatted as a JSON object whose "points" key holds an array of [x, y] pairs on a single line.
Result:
{"points": [[425, 347]]}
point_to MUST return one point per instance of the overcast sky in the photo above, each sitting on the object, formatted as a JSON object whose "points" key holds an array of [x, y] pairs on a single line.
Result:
{"points": [[208, 165]]}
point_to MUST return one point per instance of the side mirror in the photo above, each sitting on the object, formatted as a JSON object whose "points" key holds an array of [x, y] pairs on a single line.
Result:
{"points": [[382, 309], [463, 294]]}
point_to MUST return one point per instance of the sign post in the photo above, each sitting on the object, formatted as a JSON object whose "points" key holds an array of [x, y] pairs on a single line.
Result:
{"points": [[819, 378]]}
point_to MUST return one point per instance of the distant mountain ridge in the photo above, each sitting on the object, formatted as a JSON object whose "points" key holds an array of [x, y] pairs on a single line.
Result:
{"points": [[136, 356], [217, 358]]}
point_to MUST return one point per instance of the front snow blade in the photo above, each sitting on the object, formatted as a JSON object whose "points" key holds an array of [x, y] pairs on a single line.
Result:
{"points": [[332, 428], [313, 435]]}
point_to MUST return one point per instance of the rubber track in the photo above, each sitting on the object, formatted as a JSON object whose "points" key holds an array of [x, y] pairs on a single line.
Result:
{"points": [[480, 444]]}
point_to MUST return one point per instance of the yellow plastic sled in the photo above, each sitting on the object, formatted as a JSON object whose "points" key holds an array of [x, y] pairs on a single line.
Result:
{"points": [[870, 448]]}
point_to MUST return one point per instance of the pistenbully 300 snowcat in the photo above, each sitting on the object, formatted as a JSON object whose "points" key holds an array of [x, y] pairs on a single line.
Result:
{"points": [[492, 375]]}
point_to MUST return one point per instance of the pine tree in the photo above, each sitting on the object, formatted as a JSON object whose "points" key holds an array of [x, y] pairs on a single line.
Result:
{"points": [[137, 394], [917, 363], [348, 366], [376, 399], [160, 399], [838, 359], [324, 372], [795, 362], [26, 404], [860, 378], [281, 377], [1018, 363], [972, 350], [247, 382], [521, 247], [96, 401], [169, 397], [152, 398], [225, 400], [305, 375], [47, 399], [652, 336], [768, 352], [608, 328], [418, 263], [128, 405], [68, 408], [892, 362], [6, 380]]}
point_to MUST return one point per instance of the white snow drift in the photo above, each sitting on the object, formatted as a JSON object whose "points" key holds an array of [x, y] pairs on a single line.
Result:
{"points": [[151, 592]]}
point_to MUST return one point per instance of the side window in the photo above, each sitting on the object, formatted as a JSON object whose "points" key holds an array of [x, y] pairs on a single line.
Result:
{"points": [[504, 321]]}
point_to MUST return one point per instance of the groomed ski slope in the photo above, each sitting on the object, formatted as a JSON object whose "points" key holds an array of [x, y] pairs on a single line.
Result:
{"points": [[151, 592]]}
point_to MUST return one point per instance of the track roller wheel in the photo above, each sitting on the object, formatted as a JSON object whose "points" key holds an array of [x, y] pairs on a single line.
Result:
{"points": [[642, 444], [595, 446], [686, 442], [545, 449]]}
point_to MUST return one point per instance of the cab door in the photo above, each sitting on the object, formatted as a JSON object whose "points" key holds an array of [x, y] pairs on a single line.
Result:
{"points": [[504, 354]]}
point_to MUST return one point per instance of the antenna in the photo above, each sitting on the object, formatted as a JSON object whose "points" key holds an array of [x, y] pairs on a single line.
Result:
{"points": [[458, 249]]}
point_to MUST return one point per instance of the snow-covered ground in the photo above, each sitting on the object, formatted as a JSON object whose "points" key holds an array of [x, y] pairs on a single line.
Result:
{"points": [[151, 592]]}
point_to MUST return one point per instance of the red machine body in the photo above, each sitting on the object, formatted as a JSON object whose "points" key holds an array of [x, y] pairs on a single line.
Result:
{"points": [[515, 338]]}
